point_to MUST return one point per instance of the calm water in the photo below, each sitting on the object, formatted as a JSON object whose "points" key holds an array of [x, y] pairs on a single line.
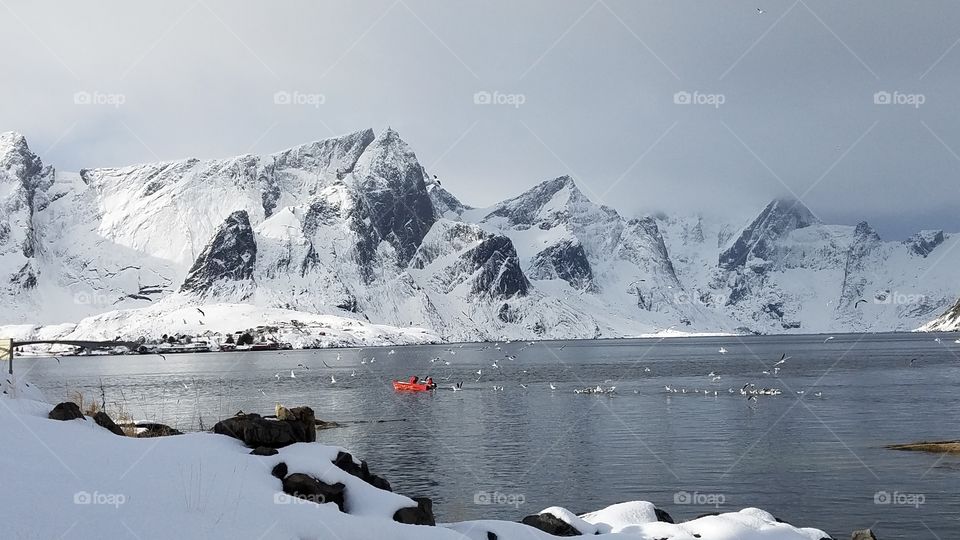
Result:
{"points": [[813, 461]]}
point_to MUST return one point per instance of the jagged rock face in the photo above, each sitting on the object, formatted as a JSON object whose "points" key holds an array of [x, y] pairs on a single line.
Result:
{"points": [[759, 239], [567, 261], [865, 239], [456, 253], [394, 191], [23, 184], [444, 203], [499, 274], [228, 259], [924, 242]]}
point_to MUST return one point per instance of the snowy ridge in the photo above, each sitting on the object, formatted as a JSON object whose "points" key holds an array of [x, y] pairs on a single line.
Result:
{"points": [[355, 227]]}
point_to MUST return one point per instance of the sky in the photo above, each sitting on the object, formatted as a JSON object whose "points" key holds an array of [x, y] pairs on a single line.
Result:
{"points": [[652, 106]]}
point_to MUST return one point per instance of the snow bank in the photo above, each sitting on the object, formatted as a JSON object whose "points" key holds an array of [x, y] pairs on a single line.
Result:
{"points": [[301, 329], [75, 479]]}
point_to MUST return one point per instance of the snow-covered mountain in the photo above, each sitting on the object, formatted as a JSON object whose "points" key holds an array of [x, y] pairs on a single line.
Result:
{"points": [[354, 228]]}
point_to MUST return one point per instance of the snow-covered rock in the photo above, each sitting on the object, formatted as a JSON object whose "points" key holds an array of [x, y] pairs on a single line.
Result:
{"points": [[204, 485]]}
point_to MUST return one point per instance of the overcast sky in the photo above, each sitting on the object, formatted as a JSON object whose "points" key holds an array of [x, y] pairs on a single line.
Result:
{"points": [[587, 88]]}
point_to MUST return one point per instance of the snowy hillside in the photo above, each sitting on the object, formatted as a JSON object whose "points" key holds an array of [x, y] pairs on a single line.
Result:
{"points": [[353, 228]]}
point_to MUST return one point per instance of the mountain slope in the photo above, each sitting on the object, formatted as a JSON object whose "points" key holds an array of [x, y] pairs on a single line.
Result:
{"points": [[354, 228]]}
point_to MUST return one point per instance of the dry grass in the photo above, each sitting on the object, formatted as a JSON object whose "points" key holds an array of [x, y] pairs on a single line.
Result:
{"points": [[940, 447]]}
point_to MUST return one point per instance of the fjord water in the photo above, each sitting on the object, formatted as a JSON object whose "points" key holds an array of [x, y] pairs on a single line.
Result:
{"points": [[482, 453]]}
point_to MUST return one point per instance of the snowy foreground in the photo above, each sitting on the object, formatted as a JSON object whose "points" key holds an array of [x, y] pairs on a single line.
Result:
{"points": [[74, 479]]}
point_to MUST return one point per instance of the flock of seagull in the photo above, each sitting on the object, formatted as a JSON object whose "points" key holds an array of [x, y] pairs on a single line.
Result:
{"points": [[749, 390]]}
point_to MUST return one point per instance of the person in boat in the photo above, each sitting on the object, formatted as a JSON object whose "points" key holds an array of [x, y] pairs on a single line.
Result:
{"points": [[430, 383], [414, 379]]}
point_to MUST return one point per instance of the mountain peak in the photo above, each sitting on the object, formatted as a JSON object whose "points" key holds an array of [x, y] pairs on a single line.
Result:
{"points": [[758, 240]]}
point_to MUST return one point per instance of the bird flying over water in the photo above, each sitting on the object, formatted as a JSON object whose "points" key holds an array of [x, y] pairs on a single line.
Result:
{"points": [[828, 339], [201, 312], [722, 351]]}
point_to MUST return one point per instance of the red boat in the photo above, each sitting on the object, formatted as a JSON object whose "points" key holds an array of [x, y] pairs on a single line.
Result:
{"points": [[412, 387]]}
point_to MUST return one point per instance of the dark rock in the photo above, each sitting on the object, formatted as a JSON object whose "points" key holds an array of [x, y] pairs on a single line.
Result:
{"points": [[566, 260], [309, 488], [264, 451], [229, 257], [280, 470], [422, 514], [346, 462], [662, 515], [550, 524], [256, 431], [498, 271], [394, 193], [103, 420], [759, 239], [863, 534], [924, 242], [156, 430], [65, 411]]}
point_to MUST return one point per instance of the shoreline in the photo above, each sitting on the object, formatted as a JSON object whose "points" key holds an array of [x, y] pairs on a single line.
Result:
{"points": [[353, 500]]}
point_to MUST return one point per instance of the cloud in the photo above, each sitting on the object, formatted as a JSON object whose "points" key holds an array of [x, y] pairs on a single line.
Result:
{"points": [[598, 81]]}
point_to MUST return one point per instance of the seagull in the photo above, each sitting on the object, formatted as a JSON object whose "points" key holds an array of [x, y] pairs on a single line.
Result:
{"points": [[457, 387], [277, 375], [292, 374], [158, 354], [937, 340], [201, 312], [646, 370], [722, 351], [523, 386], [262, 392], [185, 387], [333, 380], [392, 352], [353, 373], [326, 365], [783, 359], [857, 304], [553, 386], [828, 339], [761, 11], [303, 366]]}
